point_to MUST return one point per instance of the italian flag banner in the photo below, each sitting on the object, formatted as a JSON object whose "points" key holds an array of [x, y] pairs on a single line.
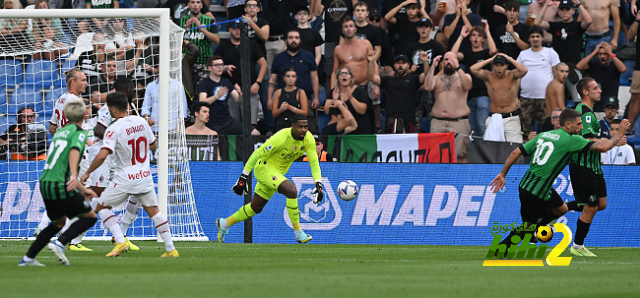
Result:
{"points": [[414, 148]]}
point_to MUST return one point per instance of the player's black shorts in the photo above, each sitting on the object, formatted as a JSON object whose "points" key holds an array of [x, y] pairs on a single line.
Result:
{"points": [[588, 187], [532, 208], [70, 207]]}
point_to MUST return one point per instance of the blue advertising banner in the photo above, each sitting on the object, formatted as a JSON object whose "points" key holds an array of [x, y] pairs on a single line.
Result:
{"points": [[436, 204]]}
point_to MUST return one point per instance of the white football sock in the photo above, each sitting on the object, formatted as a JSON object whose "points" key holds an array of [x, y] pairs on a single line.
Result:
{"points": [[162, 225], [109, 220], [68, 223], [78, 239], [44, 221], [131, 212]]}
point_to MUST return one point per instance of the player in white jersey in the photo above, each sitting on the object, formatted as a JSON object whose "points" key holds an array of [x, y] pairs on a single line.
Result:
{"points": [[76, 85], [132, 208], [129, 139]]}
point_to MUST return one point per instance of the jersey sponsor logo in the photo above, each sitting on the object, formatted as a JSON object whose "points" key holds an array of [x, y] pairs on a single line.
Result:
{"points": [[194, 35], [588, 119], [100, 2], [134, 129], [139, 175]]}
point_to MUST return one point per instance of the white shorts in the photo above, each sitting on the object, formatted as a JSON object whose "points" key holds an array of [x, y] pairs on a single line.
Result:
{"points": [[103, 174], [115, 198]]}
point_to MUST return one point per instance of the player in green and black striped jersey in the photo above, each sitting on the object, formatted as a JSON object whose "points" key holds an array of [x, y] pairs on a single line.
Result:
{"points": [[550, 152], [587, 179], [62, 193], [202, 37], [102, 4]]}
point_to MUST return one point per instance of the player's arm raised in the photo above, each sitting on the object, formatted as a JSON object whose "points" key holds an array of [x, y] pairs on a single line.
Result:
{"points": [[430, 82], [604, 145], [371, 73], [477, 70]]}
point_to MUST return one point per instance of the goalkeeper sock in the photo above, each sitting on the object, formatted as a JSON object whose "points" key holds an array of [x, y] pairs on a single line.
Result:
{"points": [[77, 228], [109, 220], [162, 225], [573, 205], [130, 215], [245, 212], [294, 214], [41, 241], [582, 230]]}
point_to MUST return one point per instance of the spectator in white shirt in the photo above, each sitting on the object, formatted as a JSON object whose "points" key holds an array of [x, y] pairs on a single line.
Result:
{"points": [[622, 153]]}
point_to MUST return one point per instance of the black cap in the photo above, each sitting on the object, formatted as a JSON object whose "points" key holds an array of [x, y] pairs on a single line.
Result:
{"points": [[425, 22], [566, 4], [500, 59], [402, 57], [612, 101], [301, 8], [317, 138], [374, 12]]}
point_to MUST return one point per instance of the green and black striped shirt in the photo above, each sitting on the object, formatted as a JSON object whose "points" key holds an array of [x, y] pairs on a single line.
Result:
{"points": [[56, 170], [101, 4], [591, 129], [550, 152], [198, 37]]}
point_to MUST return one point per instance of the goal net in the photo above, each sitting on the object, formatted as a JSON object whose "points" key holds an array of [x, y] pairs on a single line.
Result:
{"points": [[142, 45]]}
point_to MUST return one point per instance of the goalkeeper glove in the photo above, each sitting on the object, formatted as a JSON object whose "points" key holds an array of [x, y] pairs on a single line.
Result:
{"points": [[317, 194], [241, 185]]}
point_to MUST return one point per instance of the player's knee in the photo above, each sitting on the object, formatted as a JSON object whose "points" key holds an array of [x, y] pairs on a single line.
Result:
{"points": [[560, 211], [602, 206], [257, 208]]}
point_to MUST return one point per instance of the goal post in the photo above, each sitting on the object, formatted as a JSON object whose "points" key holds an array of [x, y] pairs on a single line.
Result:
{"points": [[179, 207]]}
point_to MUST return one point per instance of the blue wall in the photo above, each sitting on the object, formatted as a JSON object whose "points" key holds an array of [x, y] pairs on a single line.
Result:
{"points": [[398, 204]]}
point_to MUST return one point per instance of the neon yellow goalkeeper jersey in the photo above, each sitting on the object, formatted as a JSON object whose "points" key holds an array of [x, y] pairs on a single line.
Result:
{"points": [[282, 149]]}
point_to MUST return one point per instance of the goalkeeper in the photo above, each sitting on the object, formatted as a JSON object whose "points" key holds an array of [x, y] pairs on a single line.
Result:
{"points": [[271, 161]]}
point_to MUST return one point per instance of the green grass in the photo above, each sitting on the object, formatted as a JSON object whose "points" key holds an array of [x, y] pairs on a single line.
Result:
{"points": [[208, 269]]}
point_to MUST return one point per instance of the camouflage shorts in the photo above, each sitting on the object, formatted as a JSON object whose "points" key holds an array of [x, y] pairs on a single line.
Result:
{"points": [[532, 110]]}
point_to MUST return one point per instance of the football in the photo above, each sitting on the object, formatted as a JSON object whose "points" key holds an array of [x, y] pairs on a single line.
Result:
{"points": [[544, 234], [347, 190]]}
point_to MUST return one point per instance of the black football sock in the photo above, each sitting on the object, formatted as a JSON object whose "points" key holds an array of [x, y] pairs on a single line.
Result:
{"points": [[42, 240], [76, 229], [581, 232], [573, 205], [547, 218]]}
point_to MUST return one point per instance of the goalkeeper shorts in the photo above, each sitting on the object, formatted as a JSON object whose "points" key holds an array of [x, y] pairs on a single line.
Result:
{"points": [[269, 179]]}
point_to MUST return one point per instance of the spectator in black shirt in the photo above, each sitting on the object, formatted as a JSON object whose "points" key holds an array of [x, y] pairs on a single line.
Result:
{"points": [[310, 39], [607, 74], [228, 50], [567, 38], [258, 27], [509, 37], [277, 13], [386, 57], [424, 44], [364, 30], [406, 28], [401, 91], [454, 22], [495, 13]]}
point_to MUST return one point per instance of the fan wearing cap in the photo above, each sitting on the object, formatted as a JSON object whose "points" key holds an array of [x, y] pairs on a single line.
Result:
{"points": [[611, 108], [607, 74], [502, 87], [450, 111], [401, 92], [406, 28], [478, 99]]}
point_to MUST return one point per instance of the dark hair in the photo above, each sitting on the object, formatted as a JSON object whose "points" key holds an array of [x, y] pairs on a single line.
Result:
{"points": [[346, 19], [535, 29], [334, 112], [292, 30], [512, 5], [568, 115], [361, 3], [118, 101], [297, 117], [583, 84], [198, 106], [291, 68], [616, 121], [479, 30], [212, 58], [27, 107], [123, 84]]}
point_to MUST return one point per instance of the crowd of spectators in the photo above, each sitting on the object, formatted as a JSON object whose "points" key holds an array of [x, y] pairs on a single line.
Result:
{"points": [[370, 66]]}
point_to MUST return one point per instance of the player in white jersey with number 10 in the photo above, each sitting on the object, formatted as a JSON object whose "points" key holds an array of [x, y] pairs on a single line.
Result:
{"points": [[129, 139]]}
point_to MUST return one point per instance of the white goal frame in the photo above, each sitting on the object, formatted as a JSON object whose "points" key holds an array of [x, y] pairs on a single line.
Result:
{"points": [[163, 14]]}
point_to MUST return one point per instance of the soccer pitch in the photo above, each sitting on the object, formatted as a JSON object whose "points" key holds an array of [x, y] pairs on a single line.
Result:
{"points": [[209, 269]]}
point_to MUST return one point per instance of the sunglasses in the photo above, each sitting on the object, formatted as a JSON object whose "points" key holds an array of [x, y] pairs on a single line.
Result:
{"points": [[344, 74], [374, 19]]}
